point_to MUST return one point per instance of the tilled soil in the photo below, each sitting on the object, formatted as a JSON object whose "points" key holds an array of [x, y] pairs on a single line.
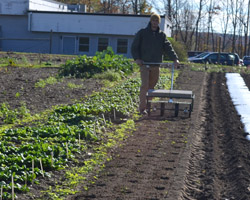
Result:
{"points": [[204, 157], [20, 85]]}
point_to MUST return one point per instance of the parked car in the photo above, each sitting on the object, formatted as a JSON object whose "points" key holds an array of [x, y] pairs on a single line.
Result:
{"points": [[246, 60], [194, 53], [241, 62], [216, 58], [201, 55]]}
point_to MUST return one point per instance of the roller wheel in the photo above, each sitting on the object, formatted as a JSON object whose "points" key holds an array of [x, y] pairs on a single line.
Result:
{"points": [[162, 108], [176, 109], [190, 110]]}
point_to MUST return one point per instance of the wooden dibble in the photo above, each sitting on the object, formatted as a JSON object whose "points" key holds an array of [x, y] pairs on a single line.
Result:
{"points": [[175, 97]]}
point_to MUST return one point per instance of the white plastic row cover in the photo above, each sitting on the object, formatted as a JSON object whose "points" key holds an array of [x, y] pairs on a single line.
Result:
{"points": [[240, 95]]}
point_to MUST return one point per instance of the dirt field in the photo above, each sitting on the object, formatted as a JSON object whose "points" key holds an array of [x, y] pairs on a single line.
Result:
{"points": [[205, 157]]}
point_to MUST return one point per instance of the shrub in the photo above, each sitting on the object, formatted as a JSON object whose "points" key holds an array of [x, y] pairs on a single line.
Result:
{"points": [[86, 67], [179, 49]]}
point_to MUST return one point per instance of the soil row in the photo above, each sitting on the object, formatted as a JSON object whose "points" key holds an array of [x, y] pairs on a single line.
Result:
{"points": [[205, 157], [202, 157]]}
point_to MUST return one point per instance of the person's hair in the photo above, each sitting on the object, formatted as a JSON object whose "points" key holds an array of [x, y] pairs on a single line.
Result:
{"points": [[155, 16]]}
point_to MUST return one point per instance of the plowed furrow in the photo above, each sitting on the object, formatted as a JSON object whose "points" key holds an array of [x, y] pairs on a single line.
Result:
{"points": [[218, 173]]}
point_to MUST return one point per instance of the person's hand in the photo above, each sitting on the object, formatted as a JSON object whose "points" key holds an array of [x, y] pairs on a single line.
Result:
{"points": [[176, 63], [139, 62]]}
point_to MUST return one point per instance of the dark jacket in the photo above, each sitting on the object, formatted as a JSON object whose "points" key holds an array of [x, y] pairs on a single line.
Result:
{"points": [[150, 46]]}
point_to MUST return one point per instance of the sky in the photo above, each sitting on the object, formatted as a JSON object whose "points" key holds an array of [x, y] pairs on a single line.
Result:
{"points": [[216, 23]]}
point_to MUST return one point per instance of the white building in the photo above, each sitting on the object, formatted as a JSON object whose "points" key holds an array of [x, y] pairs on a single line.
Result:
{"points": [[46, 26]]}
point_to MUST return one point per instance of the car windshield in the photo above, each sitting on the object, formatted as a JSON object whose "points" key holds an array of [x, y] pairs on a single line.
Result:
{"points": [[201, 55], [231, 57]]}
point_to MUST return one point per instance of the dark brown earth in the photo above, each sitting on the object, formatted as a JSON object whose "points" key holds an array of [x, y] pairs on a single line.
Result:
{"points": [[205, 157], [22, 81]]}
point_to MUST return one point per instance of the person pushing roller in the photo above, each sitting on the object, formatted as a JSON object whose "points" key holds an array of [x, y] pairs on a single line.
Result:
{"points": [[149, 45]]}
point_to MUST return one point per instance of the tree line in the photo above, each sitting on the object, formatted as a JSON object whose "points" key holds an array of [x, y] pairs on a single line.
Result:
{"points": [[210, 25], [200, 25], [114, 6]]}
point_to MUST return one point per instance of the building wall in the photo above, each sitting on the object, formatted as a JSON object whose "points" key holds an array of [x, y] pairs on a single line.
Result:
{"points": [[88, 23], [167, 26], [61, 33], [18, 38], [93, 46], [13, 7]]}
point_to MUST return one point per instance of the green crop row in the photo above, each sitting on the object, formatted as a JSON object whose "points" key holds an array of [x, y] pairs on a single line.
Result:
{"points": [[57, 141], [33, 151], [8, 116]]}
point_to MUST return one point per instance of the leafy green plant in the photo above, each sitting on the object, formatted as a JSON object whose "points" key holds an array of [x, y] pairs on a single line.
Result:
{"points": [[164, 81], [42, 83], [17, 95], [9, 116], [12, 62], [109, 75], [23, 111], [74, 86], [86, 67]]}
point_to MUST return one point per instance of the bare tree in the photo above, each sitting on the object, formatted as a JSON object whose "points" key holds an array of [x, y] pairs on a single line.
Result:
{"points": [[141, 7], [212, 11], [234, 5], [125, 6], [198, 18], [225, 23], [247, 49], [241, 29], [169, 10]]}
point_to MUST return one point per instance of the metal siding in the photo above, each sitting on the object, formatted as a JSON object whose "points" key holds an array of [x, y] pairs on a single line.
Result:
{"points": [[94, 24], [13, 7], [18, 38]]}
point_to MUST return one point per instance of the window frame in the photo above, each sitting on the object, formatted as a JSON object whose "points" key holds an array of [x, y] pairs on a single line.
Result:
{"points": [[83, 44], [122, 46], [102, 47]]}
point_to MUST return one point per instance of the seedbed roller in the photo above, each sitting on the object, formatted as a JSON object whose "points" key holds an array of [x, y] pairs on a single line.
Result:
{"points": [[181, 99]]}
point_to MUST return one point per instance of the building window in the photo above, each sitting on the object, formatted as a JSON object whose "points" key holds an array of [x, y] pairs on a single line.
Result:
{"points": [[122, 46], [103, 44], [84, 44]]}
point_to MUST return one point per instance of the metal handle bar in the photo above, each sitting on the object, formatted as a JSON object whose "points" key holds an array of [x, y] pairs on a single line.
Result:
{"points": [[155, 63]]}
